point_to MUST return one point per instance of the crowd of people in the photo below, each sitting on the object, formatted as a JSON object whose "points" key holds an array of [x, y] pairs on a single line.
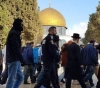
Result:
{"points": [[41, 62]]}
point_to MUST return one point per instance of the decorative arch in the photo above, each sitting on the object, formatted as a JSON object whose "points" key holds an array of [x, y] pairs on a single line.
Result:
{"points": [[61, 42]]}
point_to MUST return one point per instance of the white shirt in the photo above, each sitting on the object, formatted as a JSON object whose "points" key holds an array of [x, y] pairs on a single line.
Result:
{"points": [[40, 51]]}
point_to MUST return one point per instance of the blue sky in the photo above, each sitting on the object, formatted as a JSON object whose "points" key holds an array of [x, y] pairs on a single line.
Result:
{"points": [[75, 12]]}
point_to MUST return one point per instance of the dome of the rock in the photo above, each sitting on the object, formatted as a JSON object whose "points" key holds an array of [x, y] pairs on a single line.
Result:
{"points": [[51, 17]]}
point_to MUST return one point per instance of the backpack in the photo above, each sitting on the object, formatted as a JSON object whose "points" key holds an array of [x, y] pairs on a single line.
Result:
{"points": [[28, 55], [64, 53], [35, 54]]}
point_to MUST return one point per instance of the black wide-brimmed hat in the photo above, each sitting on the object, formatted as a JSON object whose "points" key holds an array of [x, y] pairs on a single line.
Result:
{"points": [[76, 35]]}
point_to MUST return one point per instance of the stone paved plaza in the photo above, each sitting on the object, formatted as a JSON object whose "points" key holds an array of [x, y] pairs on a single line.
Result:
{"points": [[32, 86], [73, 86]]}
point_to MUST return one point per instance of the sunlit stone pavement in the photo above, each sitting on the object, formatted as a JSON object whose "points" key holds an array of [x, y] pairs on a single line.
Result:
{"points": [[62, 86]]}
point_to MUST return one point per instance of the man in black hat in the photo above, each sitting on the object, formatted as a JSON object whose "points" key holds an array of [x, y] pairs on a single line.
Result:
{"points": [[74, 65]]}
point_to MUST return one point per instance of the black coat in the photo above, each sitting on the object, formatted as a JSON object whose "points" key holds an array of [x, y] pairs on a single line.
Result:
{"points": [[49, 49], [74, 61], [99, 74], [13, 47]]}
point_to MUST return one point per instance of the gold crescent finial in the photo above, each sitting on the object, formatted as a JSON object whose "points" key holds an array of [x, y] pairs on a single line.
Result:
{"points": [[49, 3]]}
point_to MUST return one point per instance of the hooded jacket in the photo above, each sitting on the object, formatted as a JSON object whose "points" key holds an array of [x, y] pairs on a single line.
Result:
{"points": [[49, 49], [13, 46]]}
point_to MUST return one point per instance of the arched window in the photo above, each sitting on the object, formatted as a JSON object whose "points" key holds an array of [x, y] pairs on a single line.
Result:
{"points": [[61, 42]]}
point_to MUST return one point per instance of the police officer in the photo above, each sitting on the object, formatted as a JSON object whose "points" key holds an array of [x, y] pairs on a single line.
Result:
{"points": [[49, 54]]}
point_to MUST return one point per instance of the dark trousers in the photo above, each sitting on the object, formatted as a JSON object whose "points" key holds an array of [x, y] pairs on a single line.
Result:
{"points": [[89, 73], [80, 79], [74, 73], [39, 67], [28, 71], [0, 71], [47, 85], [49, 74], [57, 78], [98, 83], [4, 75]]}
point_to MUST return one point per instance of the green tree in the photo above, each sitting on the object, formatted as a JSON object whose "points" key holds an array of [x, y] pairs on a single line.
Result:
{"points": [[93, 31], [28, 11], [3, 22]]}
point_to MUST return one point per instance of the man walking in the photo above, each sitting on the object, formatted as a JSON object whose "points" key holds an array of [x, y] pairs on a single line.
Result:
{"points": [[13, 55], [49, 55], [90, 60], [29, 62], [74, 64]]}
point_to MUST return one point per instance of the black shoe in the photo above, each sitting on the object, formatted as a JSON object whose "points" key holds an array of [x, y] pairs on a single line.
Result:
{"points": [[62, 81], [2, 83], [37, 86], [92, 85], [34, 79], [32, 82], [26, 83], [88, 86], [49, 87]]}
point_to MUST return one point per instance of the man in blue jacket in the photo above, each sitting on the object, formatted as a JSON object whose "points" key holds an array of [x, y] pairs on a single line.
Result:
{"points": [[29, 63], [90, 59]]}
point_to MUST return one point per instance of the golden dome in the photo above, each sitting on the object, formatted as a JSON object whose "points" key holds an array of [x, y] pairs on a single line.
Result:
{"points": [[51, 17]]}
